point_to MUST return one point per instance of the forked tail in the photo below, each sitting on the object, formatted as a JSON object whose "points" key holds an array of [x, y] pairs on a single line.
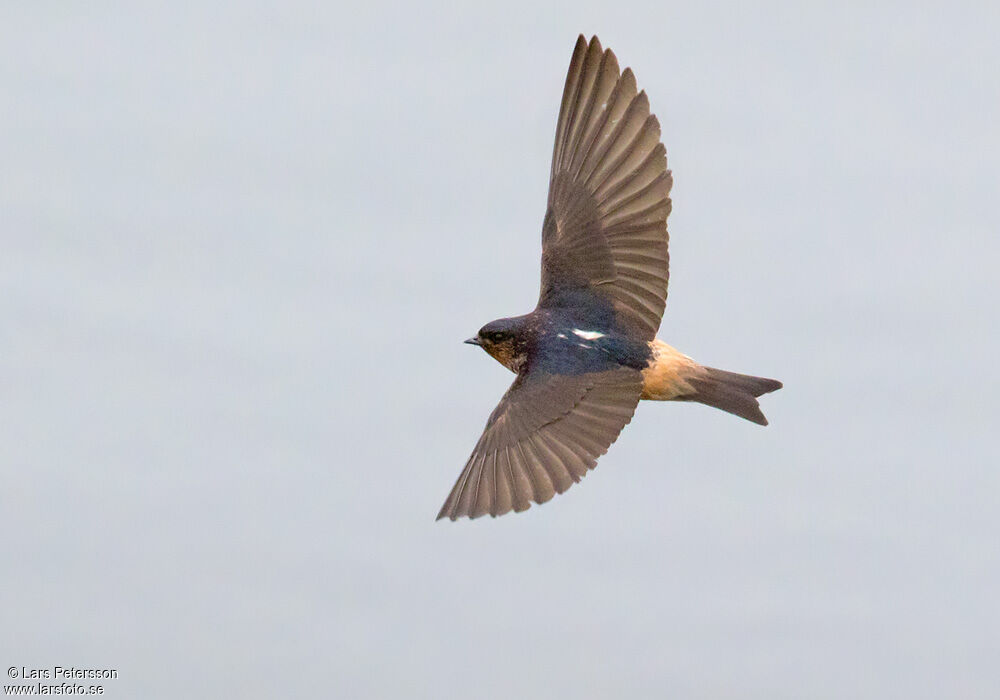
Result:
{"points": [[731, 392]]}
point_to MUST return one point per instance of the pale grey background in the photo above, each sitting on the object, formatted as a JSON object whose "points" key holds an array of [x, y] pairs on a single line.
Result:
{"points": [[240, 249]]}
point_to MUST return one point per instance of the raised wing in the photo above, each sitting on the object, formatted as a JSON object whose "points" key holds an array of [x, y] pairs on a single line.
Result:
{"points": [[547, 431], [605, 230]]}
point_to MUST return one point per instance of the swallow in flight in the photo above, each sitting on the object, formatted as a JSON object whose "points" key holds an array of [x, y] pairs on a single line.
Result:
{"points": [[588, 352]]}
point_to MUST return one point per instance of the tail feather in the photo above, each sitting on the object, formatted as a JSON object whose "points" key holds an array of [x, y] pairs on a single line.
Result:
{"points": [[731, 392]]}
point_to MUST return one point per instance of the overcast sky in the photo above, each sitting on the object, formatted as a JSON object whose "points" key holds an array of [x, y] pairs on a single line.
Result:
{"points": [[240, 251]]}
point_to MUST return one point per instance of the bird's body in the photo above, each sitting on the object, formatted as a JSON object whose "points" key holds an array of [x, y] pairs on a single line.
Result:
{"points": [[588, 353], [668, 375], [564, 341]]}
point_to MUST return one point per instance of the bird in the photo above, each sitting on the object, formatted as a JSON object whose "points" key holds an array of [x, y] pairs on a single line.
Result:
{"points": [[588, 353]]}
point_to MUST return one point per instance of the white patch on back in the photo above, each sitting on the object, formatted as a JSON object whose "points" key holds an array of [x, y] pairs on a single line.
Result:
{"points": [[588, 335]]}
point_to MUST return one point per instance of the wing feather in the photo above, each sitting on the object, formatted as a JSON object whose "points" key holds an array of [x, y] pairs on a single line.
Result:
{"points": [[545, 434], [609, 195]]}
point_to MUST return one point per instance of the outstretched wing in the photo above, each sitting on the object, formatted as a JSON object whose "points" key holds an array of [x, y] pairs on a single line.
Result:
{"points": [[547, 431], [605, 230]]}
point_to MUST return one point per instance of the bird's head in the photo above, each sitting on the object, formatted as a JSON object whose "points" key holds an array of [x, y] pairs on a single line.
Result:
{"points": [[501, 339]]}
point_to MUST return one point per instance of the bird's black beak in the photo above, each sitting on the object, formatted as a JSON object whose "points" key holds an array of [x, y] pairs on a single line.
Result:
{"points": [[473, 341]]}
